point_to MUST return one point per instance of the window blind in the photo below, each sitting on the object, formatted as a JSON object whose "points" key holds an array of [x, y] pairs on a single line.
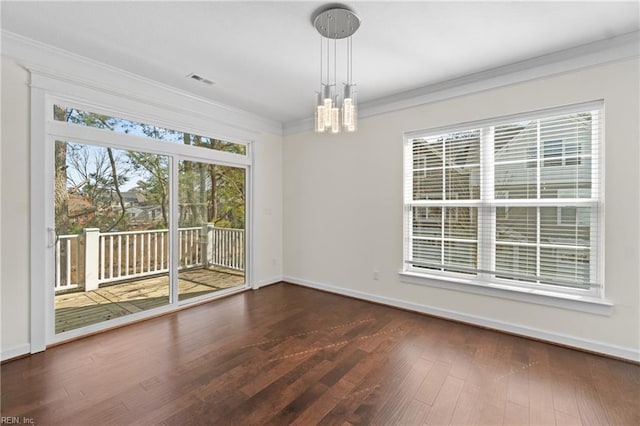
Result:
{"points": [[514, 199]]}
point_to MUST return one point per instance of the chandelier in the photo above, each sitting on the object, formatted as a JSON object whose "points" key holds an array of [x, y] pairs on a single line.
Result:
{"points": [[335, 24]]}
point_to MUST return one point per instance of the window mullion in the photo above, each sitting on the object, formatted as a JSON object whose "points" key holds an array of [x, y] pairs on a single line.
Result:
{"points": [[538, 241], [538, 191], [408, 198], [443, 215], [408, 230], [596, 259], [174, 238], [442, 220], [486, 211], [538, 159]]}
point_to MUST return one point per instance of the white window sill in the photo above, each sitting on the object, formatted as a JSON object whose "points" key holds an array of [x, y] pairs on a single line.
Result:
{"points": [[580, 303]]}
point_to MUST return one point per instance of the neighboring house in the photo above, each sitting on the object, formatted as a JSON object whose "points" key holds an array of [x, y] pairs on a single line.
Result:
{"points": [[134, 212], [133, 198], [144, 215], [80, 209], [140, 214]]}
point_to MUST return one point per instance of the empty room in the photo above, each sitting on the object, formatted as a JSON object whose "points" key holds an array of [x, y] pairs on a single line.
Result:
{"points": [[302, 212]]}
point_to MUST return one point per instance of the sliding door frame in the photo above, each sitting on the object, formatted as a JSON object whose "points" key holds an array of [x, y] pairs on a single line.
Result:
{"points": [[46, 92]]}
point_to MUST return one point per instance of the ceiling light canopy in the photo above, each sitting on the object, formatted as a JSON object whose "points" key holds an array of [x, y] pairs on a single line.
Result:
{"points": [[333, 24]]}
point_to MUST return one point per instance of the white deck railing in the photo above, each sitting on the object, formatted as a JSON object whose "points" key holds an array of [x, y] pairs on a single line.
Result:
{"points": [[125, 255], [229, 248], [67, 262], [95, 258]]}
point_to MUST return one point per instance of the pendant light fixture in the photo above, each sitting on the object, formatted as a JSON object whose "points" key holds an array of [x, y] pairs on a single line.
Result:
{"points": [[335, 24]]}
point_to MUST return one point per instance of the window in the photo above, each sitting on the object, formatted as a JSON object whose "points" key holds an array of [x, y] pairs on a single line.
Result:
{"points": [[513, 201]]}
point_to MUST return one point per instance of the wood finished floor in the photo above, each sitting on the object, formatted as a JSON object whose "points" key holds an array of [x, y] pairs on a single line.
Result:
{"points": [[290, 355]]}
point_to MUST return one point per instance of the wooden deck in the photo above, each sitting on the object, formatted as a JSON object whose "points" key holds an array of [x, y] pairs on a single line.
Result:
{"points": [[80, 308]]}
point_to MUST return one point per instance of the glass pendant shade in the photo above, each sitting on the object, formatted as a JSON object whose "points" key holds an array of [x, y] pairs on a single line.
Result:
{"points": [[335, 120], [319, 114], [349, 109], [328, 105]]}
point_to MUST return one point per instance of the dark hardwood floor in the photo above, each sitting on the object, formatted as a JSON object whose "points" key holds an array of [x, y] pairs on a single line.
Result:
{"points": [[290, 355]]}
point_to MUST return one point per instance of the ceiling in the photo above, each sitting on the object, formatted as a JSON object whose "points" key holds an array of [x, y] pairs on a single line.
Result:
{"points": [[264, 56]]}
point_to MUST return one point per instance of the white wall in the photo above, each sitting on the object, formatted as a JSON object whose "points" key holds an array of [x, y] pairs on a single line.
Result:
{"points": [[15, 213], [267, 210], [14, 178], [343, 210]]}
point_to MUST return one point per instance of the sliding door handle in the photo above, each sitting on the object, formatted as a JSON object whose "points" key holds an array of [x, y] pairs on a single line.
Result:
{"points": [[51, 237]]}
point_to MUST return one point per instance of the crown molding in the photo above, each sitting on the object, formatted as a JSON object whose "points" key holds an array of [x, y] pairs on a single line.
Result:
{"points": [[63, 65], [66, 66], [620, 48]]}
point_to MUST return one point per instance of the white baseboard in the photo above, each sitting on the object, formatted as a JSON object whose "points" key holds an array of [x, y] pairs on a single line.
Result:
{"points": [[523, 330], [267, 281], [15, 351]]}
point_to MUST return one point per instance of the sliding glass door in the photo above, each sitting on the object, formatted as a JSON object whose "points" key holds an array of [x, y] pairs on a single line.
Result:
{"points": [[140, 224], [111, 223], [211, 230]]}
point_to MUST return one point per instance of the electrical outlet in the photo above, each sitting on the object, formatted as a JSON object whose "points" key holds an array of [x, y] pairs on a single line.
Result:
{"points": [[376, 274]]}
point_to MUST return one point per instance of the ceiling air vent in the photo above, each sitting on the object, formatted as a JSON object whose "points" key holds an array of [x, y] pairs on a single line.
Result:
{"points": [[196, 77]]}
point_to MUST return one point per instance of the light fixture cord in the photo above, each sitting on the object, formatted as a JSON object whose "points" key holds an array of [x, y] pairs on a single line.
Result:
{"points": [[328, 63], [350, 60], [321, 80], [328, 52], [348, 76], [335, 60], [349, 52]]}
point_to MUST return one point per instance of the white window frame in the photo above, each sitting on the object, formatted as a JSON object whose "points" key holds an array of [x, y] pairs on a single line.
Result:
{"points": [[589, 300], [47, 91]]}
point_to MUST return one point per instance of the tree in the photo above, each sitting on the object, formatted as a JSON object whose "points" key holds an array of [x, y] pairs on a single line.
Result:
{"points": [[95, 173], [189, 182], [230, 196], [227, 197], [209, 192], [156, 186], [60, 178]]}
